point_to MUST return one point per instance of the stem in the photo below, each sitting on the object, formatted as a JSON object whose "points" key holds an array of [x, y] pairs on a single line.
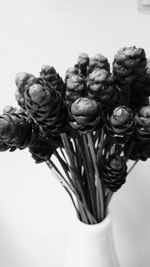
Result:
{"points": [[67, 187], [89, 172], [130, 147], [108, 197], [66, 170], [63, 183], [65, 158], [134, 164], [99, 191], [74, 169], [101, 145]]}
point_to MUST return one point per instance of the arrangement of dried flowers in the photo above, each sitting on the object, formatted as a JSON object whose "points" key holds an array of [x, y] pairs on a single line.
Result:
{"points": [[91, 124]]}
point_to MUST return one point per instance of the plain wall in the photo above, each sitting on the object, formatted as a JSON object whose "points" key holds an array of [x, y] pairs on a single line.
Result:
{"points": [[35, 212]]}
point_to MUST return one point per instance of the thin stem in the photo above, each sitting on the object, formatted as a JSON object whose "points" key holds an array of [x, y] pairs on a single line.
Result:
{"points": [[65, 158], [52, 166], [108, 197], [65, 168], [64, 184], [73, 168], [134, 164], [99, 191], [89, 172], [129, 150], [101, 145]]}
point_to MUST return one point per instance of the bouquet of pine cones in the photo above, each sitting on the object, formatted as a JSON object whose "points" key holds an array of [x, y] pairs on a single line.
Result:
{"points": [[85, 127]]}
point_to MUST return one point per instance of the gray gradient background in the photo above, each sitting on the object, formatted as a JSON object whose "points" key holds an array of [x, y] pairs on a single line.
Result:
{"points": [[35, 212]]}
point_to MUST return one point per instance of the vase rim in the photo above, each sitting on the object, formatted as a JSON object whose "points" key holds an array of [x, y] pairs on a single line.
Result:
{"points": [[100, 226]]}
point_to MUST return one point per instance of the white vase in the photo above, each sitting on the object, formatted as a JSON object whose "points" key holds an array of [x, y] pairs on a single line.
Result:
{"points": [[91, 245]]}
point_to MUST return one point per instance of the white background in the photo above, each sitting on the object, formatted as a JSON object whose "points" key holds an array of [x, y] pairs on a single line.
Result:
{"points": [[35, 212]]}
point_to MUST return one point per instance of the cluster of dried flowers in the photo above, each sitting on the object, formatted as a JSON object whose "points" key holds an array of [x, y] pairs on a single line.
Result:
{"points": [[92, 122]]}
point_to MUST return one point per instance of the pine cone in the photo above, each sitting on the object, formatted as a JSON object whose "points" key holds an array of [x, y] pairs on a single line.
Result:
{"points": [[23, 81], [120, 124], [98, 62], [85, 115], [17, 130], [114, 172], [101, 87], [140, 90], [75, 88], [42, 149], [142, 120], [47, 107], [129, 67], [49, 74]]}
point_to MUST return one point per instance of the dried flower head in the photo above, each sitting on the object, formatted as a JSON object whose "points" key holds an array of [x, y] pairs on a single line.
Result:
{"points": [[75, 88], [120, 123], [49, 74], [47, 107], [142, 119], [101, 87], [85, 114], [114, 172], [23, 81]]}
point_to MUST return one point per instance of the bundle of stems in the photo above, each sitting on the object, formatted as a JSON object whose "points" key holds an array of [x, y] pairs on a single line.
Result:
{"points": [[80, 174]]}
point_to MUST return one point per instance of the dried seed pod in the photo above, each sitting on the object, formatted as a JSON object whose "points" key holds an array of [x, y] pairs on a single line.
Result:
{"points": [[129, 69], [75, 88], [49, 74], [47, 107], [120, 123], [114, 172], [42, 149], [17, 130], [85, 115], [142, 120], [23, 81], [101, 87]]}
